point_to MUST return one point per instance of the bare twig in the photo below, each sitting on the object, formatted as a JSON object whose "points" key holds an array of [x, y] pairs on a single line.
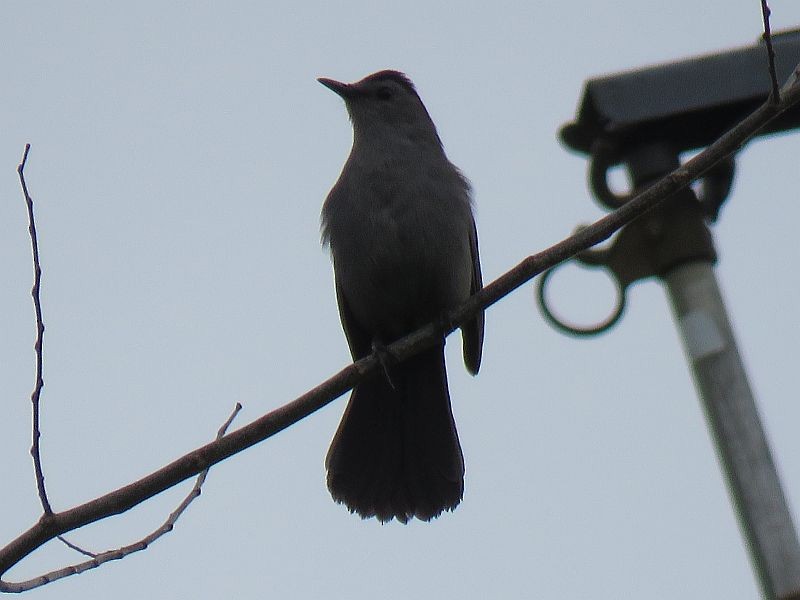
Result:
{"points": [[37, 306], [38, 347], [75, 547], [193, 463], [773, 75], [101, 558]]}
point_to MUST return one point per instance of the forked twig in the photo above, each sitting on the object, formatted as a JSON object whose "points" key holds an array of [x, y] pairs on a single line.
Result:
{"points": [[100, 558]]}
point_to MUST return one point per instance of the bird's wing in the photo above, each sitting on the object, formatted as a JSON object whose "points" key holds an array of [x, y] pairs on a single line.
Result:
{"points": [[472, 331], [359, 340]]}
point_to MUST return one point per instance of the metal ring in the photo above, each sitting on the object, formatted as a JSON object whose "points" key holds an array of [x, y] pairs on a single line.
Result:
{"points": [[566, 327]]}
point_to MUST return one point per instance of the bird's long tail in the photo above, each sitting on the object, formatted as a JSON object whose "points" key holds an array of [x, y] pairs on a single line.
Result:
{"points": [[396, 453]]}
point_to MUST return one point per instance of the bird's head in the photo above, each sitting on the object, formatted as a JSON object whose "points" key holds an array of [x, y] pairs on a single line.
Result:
{"points": [[385, 105]]}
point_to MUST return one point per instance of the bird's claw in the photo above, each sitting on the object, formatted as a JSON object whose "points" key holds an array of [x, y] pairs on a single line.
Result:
{"points": [[386, 360]]}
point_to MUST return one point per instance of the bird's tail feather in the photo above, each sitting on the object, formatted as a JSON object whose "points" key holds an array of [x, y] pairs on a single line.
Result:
{"points": [[396, 453]]}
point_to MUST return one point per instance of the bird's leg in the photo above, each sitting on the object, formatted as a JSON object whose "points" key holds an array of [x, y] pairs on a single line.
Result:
{"points": [[445, 324], [385, 358]]}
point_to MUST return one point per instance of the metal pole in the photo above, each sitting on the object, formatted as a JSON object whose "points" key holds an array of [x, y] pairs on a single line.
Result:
{"points": [[741, 443]]}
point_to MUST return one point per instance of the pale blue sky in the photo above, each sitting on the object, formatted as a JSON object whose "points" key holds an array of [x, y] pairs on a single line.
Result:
{"points": [[181, 153]]}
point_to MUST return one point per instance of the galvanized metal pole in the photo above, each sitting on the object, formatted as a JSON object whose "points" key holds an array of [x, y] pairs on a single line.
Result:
{"points": [[742, 446]]}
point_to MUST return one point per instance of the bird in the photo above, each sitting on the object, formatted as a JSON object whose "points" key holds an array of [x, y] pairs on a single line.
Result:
{"points": [[400, 228]]}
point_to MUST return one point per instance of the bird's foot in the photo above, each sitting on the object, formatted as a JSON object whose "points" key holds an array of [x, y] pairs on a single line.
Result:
{"points": [[386, 359]]}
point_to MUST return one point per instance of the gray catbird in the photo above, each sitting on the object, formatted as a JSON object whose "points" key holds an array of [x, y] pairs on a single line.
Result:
{"points": [[402, 236]]}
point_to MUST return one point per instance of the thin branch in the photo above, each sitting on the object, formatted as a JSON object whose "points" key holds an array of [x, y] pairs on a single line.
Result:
{"points": [[38, 347], [75, 547], [37, 306], [101, 558], [773, 74], [193, 463]]}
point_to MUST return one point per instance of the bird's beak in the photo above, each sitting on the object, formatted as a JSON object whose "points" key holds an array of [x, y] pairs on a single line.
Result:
{"points": [[345, 90]]}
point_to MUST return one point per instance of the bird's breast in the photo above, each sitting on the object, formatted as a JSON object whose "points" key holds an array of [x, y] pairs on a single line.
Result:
{"points": [[401, 252]]}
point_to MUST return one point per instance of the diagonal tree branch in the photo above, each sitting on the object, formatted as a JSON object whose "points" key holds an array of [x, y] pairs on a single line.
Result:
{"points": [[122, 499]]}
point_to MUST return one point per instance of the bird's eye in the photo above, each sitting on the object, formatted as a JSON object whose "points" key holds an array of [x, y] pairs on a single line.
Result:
{"points": [[383, 93]]}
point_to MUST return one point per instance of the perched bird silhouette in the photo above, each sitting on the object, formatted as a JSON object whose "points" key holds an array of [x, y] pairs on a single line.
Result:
{"points": [[402, 237]]}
